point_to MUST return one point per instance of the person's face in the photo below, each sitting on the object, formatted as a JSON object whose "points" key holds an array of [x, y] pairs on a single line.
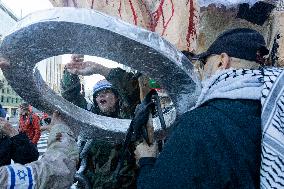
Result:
{"points": [[106, 101], [23, 111]]}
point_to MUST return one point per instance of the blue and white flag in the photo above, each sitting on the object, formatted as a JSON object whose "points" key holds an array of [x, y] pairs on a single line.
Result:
{"points": [[20, 177]]}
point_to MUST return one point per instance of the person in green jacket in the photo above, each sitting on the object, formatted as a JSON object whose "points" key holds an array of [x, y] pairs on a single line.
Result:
{"points": [[116, 97], [125, 84]]}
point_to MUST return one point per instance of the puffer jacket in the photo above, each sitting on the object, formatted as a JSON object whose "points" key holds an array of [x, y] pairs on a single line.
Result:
{"points": [[5, 150], [30, 124], [19, 148]]}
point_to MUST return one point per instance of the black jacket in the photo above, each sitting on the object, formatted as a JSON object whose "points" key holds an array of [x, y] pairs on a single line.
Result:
{"points": [[217, 145], [19, 148], [5, 151]]}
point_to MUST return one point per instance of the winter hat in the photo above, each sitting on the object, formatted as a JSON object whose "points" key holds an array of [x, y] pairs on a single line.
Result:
{"points": [[101, 85], [243, 43]]}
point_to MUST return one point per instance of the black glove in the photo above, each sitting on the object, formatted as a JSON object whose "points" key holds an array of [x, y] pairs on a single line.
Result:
{"points": [[137, 127], [141, 117], [23, 150]]}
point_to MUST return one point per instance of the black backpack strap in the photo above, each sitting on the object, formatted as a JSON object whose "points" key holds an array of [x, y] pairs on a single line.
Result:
{"points": [[31, 118]]}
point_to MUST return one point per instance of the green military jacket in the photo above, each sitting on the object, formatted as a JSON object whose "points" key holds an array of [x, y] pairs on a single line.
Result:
{"points": [[102, 163], [104, 156]]}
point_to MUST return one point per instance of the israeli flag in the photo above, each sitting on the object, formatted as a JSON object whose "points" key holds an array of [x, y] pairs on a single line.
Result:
{"points": [[20, 177]]}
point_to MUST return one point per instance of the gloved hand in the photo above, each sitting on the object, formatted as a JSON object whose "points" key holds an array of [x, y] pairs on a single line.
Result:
{"points": [[78, 66], [141, 117], [137, 126]]}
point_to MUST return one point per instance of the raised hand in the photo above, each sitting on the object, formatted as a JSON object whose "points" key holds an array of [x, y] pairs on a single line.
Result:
{"points": [[79, 67], [7, 129], [4, 63]]}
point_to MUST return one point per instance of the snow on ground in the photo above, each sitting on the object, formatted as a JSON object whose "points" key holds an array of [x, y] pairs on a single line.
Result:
{"points": [[42, 144]]}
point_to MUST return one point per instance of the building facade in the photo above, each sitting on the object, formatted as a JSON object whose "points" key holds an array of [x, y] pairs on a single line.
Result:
{"points": [[51, 70], [8, 97]]}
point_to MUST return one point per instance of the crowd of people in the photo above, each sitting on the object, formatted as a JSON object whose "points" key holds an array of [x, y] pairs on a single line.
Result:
{"points": [[20, 145], [220, 143]]}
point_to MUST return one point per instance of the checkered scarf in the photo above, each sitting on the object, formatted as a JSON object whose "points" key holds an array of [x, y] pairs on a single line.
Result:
{"points": [[267, 85]]}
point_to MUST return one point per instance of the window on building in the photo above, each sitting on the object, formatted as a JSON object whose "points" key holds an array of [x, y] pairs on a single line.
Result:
{"points": [[8, 91], [16, 100], [12, 100], [2, 98], [3, 90], [7, 100]]}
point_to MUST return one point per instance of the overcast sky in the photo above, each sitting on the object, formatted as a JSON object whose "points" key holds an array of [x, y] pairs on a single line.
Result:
{"points": [[24, 7], [21, 8]]}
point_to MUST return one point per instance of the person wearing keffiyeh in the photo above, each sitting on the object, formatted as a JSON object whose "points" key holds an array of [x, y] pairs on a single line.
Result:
{"points": [[234, 136]]}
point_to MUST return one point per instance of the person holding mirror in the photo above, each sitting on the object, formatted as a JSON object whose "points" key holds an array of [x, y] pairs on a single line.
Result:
{"points": [[117, 97], [219, 144]]}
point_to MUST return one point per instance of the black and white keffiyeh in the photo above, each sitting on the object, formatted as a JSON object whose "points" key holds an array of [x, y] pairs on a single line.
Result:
{"points": [[272, 122], [267, 85], [232, 84]]}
